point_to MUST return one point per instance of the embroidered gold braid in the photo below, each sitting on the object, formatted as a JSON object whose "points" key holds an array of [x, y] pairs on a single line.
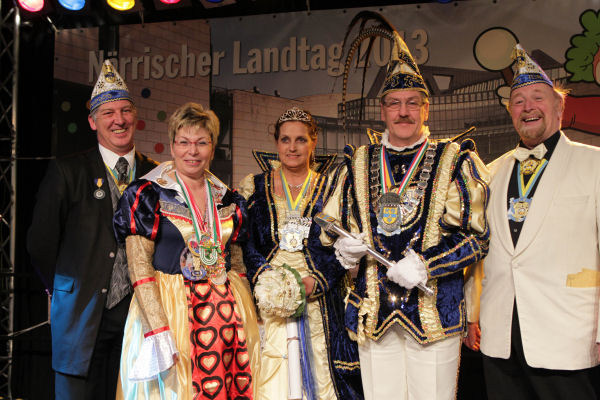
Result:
{"points": [[370, 305], [139, 260], [428, 313]]}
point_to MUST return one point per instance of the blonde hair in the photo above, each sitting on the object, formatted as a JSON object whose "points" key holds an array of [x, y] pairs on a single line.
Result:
{"points": [[194, 115]]}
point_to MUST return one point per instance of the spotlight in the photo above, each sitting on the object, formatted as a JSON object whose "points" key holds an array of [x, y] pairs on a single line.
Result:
{"points": [[169, 1], [216, 3], [73, 5], [32, 5], [121, 5]]}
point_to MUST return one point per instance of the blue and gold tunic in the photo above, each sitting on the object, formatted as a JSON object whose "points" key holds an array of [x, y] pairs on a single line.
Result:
{"points": [[335, 356], [449, 230]]}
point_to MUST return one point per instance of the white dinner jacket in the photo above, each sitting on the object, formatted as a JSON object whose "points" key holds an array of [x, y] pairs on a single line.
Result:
{"points": [[553, 272]]}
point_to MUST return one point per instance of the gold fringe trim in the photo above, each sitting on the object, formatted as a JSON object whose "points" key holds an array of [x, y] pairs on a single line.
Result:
{"points": [[428, 312], [367, 315]]}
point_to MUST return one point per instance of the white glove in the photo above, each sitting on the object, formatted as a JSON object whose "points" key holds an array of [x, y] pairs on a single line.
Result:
{"points": [[349, 250], [408, 272]]}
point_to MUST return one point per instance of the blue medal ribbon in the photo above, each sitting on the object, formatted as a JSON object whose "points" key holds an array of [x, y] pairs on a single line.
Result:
{"points": [[519, 207]]}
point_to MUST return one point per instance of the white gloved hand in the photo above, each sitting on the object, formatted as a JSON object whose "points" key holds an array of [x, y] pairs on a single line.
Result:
{"points": [[349, 250], [408, 272]]}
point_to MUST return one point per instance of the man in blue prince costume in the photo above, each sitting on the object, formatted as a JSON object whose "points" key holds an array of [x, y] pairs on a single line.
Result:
{"points": [[421, 204]]}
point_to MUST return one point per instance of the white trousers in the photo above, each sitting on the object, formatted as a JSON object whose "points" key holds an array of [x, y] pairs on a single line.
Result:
{"points": [[397, 367]]}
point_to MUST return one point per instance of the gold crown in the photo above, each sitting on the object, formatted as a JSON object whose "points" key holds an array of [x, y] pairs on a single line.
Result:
{"points": [[294, 114]]}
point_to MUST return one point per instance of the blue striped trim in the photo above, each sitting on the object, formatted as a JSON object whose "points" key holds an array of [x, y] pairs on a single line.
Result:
{"points": [[109, 96], [530, 79]]}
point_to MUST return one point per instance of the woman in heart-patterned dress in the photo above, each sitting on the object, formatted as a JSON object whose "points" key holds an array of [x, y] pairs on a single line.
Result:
{"points": [[191, 332]]}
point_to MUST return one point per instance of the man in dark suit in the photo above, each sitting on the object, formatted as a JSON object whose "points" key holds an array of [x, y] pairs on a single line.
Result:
{"points": [[72, 244]]}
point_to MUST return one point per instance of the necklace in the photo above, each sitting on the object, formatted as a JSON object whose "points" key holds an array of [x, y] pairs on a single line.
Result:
{"points": [[295, 187], [392, 207], [207, 258], [296, 227]]}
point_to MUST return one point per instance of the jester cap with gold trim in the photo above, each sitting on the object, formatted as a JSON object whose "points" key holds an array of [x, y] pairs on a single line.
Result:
{"points": [[528, 72], [109, 87], [403, 72]]}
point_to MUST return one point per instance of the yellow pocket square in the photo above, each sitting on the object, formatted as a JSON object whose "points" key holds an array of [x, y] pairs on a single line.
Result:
{"points": [[585, 278]]}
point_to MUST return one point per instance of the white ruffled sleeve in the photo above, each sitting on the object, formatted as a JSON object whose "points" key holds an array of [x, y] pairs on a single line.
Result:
{"points": [[155, 356]]}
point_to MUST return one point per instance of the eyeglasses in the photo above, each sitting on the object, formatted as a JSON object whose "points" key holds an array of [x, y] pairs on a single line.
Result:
{"points": [[187, 144], [395, 105]]}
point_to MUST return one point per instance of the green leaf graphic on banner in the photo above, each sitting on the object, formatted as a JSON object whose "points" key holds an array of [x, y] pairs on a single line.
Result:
{"points": [[583, 58]]}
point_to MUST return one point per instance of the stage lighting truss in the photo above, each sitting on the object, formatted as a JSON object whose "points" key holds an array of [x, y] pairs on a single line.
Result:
{"points": [[9, 30]]}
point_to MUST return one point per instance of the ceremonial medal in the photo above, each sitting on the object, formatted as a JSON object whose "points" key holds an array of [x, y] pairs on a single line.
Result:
{"points": [[293, 233], [207, 254], [99, 193], [189, 269], [518, 209], [529, 166], [295, 228], [121, 186], [394, 206], [206, 250], [389, 214], [220, 278]]}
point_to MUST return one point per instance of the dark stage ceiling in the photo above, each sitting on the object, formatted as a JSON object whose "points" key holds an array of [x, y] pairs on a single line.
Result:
{"points": [[98, 13]]}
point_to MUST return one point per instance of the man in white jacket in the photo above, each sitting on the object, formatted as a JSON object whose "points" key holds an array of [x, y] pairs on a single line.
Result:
{"points": [[539, 297]]}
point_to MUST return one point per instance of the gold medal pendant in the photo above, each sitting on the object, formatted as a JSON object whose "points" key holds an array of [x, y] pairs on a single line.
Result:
{"points": [[398, 203], [209, 257], [389, 214], [529, 166], [99, 193], [518, 209]]}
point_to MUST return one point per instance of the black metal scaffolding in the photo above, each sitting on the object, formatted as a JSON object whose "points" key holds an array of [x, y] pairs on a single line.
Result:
{"points": [[9, 41]]}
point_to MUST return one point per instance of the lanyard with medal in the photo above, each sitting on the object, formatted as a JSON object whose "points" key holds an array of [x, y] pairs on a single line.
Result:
{"points": [[207, 252], [519, 207], [296, 228], [390, 207], [120, 185]]}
